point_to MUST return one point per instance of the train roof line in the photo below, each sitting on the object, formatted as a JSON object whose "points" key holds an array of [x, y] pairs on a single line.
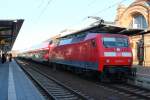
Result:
{"points": [[110, 28]]}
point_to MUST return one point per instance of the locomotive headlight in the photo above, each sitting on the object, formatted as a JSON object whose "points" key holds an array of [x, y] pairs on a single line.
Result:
{"points": [[107, 60], [109, 54], [129, 60]]}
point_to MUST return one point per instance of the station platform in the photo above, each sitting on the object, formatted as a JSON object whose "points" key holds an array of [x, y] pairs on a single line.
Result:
{"points": [[142, 76], [15, 85], [142, 69]]}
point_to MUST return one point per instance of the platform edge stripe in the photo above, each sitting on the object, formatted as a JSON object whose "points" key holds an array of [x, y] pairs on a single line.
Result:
{"points": [[29, 81], [11, 85]]}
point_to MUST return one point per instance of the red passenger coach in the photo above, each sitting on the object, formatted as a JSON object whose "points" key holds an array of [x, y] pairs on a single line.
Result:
{"points": [[106, 54], [39, 53]]}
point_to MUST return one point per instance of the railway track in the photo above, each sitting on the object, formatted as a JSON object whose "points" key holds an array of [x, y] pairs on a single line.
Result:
{"points": [[131, 91], [128, 90], [53, 88]]}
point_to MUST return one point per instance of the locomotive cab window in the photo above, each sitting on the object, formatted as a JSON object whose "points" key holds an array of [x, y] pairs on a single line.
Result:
{"points": [[78, 38], [115, 42], [65, 41]]}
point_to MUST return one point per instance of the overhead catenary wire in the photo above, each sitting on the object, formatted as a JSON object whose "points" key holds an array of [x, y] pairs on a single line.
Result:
{"points": [[44, 9], [102, 10], [92, 2], [41, 3], [85, 18], [110, 6]]}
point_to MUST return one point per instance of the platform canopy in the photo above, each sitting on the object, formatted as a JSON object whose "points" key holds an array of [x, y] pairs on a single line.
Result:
{"points": [[112, 29], [9, 30]]}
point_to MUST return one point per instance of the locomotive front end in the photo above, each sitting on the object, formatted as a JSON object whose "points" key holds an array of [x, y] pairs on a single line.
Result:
{"points": [[117, 56]]}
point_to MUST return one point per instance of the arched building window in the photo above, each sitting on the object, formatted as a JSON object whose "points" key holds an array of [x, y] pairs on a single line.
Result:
{"points": [[138, 21]]}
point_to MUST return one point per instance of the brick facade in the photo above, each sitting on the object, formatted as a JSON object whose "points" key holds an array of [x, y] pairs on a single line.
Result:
{"points": [[125, 17]]}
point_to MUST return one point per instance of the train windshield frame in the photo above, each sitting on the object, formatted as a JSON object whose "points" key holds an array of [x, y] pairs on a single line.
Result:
{"points": [[109, 42]]}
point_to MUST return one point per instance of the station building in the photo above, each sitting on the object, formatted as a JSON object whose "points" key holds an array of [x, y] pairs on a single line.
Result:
{"points": [[137, 16]]}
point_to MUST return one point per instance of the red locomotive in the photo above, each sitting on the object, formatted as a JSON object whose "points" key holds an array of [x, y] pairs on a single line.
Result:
{"points": [[106, 54]]}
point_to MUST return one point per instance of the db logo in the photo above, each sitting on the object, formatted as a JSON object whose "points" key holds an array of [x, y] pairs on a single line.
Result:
{"points": [[118, 49]]}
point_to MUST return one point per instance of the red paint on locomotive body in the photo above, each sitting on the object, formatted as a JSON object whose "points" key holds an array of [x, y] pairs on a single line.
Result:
{"points": [[94, 51]]}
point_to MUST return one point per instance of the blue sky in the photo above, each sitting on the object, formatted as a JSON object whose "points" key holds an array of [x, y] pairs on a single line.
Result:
{"points": [[46, 18]]}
